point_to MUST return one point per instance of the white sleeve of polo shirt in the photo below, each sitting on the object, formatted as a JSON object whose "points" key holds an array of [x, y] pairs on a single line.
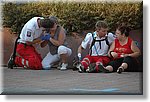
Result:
{"points": [[29, 35], [111, 37], [87, 40]]}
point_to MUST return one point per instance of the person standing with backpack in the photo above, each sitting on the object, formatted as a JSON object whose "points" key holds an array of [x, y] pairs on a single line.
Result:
{"points": [[99, 42], [58, 47]]}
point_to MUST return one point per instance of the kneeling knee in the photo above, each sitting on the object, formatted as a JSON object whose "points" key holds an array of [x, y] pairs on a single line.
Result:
{"points": [[110, 68], [62, 50]]}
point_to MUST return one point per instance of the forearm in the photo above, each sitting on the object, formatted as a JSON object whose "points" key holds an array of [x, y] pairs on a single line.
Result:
{"points": [[111, 50], [44, 43], [79, 52], [55, 42], [38, 40], [80, 49], [135, 54]]}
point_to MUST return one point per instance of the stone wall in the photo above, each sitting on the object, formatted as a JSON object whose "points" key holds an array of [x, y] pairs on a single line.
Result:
{"points": [[74, 41]]}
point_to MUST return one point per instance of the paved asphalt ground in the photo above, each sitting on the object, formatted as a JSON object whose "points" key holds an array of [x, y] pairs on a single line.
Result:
{"points": [[25, 81]]}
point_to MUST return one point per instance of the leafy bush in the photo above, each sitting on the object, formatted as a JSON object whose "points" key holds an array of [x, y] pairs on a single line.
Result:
{"points": [[75, 17]]}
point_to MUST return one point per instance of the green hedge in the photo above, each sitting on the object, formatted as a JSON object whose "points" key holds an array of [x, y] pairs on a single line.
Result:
{"points": [[75, 17]]}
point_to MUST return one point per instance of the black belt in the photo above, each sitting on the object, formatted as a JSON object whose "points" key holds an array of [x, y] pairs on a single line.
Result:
{"points": [[21, 43]]}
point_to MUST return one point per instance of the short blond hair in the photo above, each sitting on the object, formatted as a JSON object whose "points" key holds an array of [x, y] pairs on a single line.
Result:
{"points": [[101, 24]]}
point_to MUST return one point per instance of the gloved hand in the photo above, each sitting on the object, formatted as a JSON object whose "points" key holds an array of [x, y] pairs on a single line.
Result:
{"points": [[79, 56], [45, 37]]}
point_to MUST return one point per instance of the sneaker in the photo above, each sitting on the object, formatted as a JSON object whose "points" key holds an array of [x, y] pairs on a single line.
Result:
{"points": [[81, 69], [64, 66], [120, 70], [91, 68], [76, 65], [59, 66], [102, 69], [10, 63]]}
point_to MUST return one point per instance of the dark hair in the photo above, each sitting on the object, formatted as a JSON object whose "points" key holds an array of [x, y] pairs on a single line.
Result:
{"points": [[101, 24], [124, 30], [46, 23]]}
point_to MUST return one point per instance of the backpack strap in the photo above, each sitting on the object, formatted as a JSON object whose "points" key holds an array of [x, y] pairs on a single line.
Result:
{"points": [[92, 44], [94, 40], [107, 42]]}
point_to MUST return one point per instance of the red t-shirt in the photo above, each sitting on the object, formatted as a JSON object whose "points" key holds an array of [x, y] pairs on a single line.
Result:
{"points": [[123, 49]]}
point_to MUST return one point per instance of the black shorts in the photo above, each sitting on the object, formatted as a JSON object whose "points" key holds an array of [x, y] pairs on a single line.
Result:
{"points": [[132, 64]]}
